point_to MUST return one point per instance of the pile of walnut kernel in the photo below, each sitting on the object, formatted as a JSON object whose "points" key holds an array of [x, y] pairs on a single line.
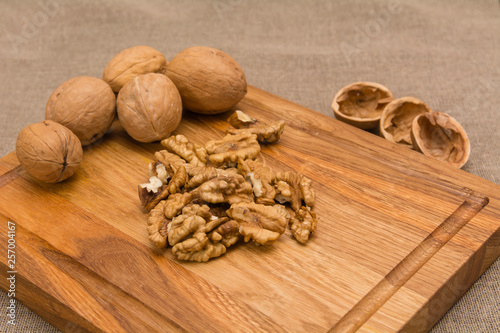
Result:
{"points": [[204, 199]]}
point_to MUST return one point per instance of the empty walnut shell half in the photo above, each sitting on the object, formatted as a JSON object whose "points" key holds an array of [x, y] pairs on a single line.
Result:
{"points": [[397, 118], [438, 135], [360, 104]]}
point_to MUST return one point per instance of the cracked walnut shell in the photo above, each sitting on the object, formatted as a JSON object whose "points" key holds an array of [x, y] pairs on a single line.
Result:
{"points": [[149, 107], [440, 136], [49, 151], [209, 80], [397, 118], [85, 105], [132, 62], [361, 104]]}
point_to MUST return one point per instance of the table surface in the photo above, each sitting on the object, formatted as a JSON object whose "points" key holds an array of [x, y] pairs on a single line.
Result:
{"points": [[445, 53]]}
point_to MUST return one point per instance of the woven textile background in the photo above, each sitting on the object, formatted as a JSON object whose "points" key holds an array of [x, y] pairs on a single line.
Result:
{"points": [[446, 53]]}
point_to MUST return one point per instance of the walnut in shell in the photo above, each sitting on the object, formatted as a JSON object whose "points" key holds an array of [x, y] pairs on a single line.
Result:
{"points": [[49, 151], [209, 80], [132, 62], [85, 105], [149, 107], [361, 104], [397, 118], [440, 136]]}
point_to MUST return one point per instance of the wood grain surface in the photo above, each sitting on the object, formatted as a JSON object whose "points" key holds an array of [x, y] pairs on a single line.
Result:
{"points": [[84, 262]]}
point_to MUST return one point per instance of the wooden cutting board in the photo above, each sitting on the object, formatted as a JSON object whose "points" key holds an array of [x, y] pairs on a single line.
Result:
{"points": [[400, 238]]}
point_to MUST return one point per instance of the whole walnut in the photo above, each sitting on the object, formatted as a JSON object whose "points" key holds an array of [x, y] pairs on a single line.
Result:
{"points": [[85, 105], [49, 151], [208, 80], [131, 62], [149, 107]]}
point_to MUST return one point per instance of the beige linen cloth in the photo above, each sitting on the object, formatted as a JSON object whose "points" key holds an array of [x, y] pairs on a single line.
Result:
{"points": [[446, 53]]}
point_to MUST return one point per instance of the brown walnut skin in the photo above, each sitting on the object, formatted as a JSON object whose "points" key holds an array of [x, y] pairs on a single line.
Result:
{"points": [[149, 107], [132, 62], [209, 80], [48, 151], [85, 105]]}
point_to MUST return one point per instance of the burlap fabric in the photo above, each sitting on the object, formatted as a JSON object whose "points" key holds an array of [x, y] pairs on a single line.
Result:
{"points": [[446, 53]]}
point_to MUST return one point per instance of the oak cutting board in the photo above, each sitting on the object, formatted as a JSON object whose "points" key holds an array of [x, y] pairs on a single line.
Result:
{"points": [[400, 238]]}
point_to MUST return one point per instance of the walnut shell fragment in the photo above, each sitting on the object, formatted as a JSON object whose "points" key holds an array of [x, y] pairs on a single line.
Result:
{"points": [[397, 118], [131, 62], [260, 223], [149, 107], [49, 151], [361, 104], [85, 105], [209, 80], [440, 136], [266, 133]]}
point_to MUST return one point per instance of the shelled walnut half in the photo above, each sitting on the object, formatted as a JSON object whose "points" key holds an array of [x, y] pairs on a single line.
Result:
{"points": [[266, 133], [203, 199], [260, 223], [227, 151]]}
